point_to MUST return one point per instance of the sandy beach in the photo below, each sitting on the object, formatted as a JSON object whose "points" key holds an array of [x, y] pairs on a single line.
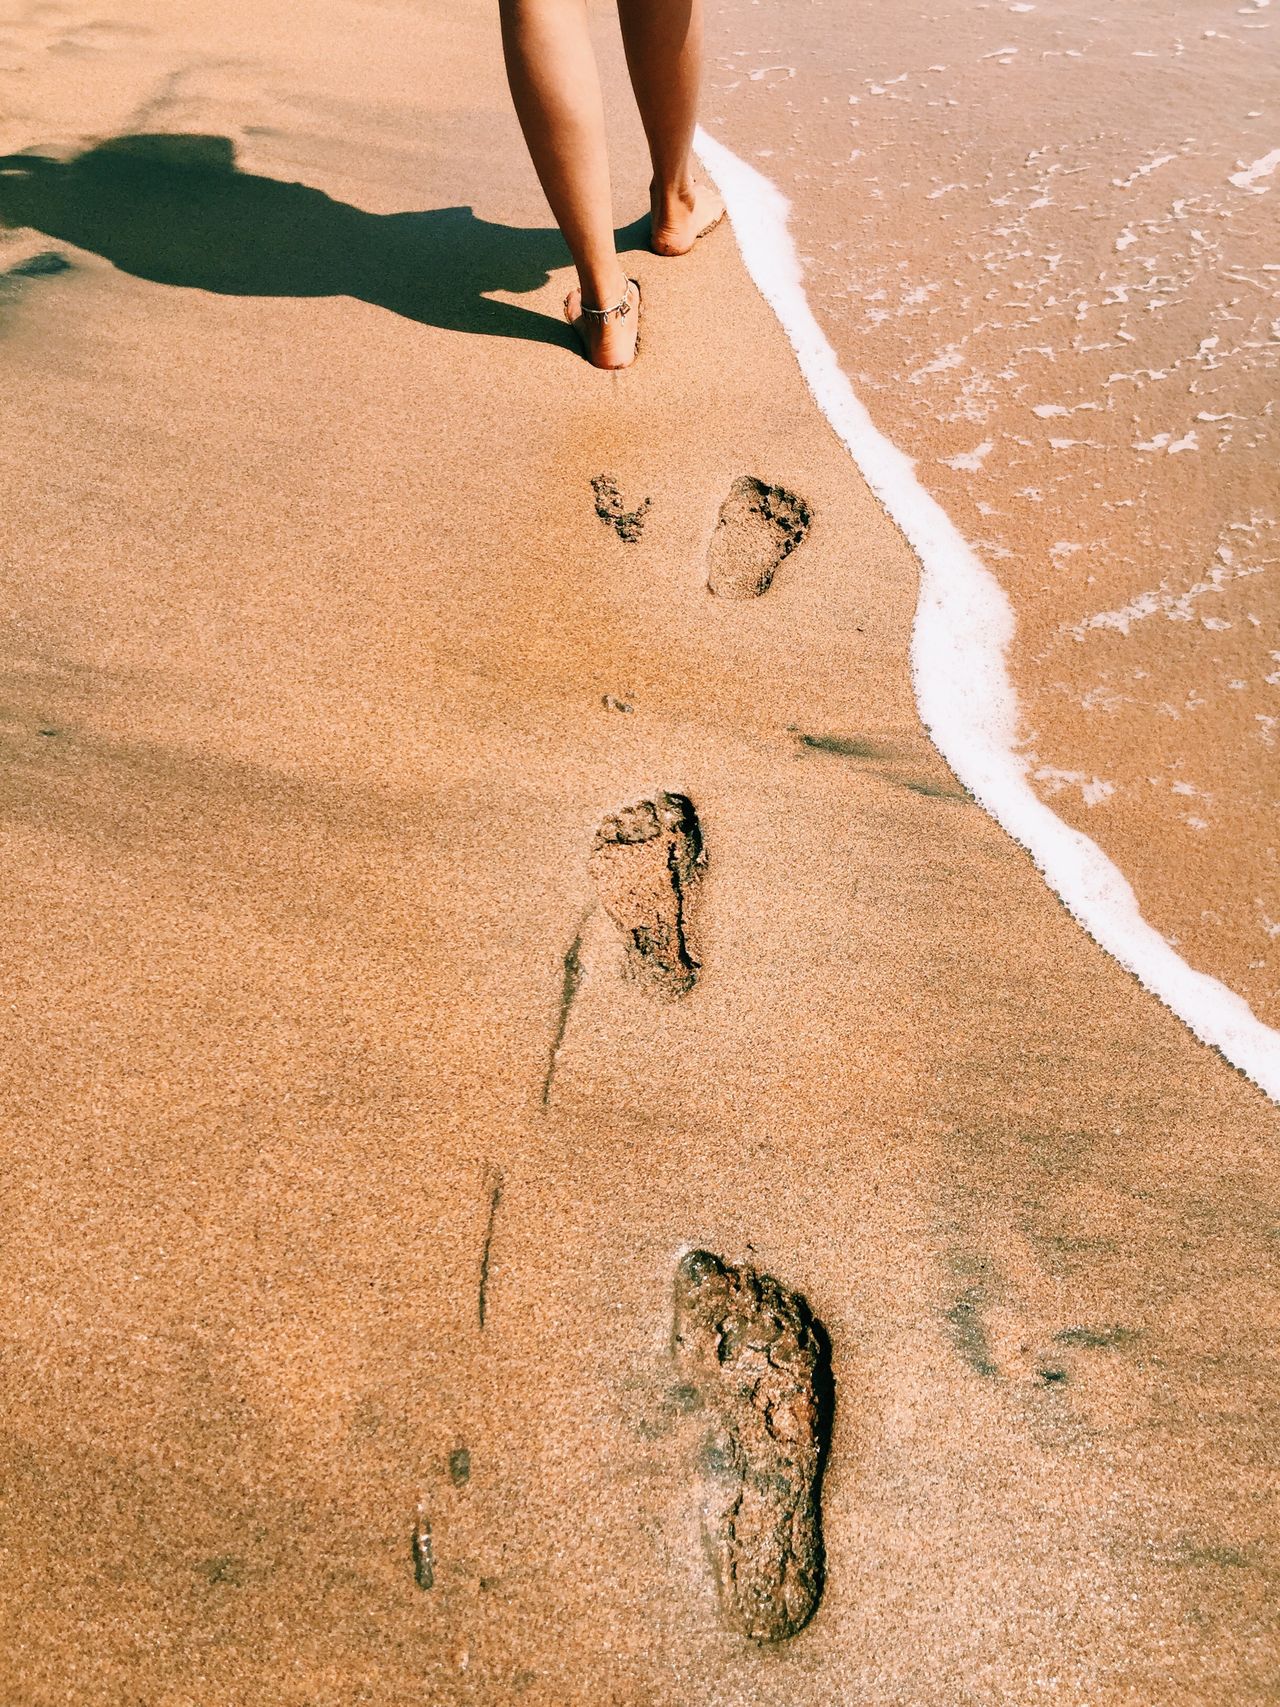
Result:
{"points": [[348, 1175]]}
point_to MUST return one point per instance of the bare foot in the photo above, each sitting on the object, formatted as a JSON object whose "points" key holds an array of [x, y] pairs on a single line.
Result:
{"points": [[676, 221], [608, 343]]}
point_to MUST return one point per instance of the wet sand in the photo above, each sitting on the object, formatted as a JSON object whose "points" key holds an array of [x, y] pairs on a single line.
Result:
{"points": [[349, 1176]]}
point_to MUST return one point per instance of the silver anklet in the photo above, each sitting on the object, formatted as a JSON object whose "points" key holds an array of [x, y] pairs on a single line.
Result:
{"points": [[621, 309]]}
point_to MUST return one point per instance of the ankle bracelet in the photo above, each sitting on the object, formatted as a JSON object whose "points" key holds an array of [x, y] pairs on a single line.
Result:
{"points": [[603, 315]]}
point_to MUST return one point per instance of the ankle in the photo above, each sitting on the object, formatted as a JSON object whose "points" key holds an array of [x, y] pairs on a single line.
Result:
{"points": [[603, 288], [675, 195]]}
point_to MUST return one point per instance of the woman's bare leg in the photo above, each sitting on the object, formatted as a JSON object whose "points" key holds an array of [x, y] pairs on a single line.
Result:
{"points": [[556, 89], [663, 39]]}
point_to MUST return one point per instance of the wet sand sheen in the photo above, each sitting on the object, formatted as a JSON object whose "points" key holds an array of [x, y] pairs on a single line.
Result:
{"points": [[1070, 318]]}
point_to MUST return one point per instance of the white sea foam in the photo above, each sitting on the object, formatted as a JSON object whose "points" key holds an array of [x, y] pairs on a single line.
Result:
{"points": [[1176, 606], [971, 460], [1247, 178], [959, 645]]}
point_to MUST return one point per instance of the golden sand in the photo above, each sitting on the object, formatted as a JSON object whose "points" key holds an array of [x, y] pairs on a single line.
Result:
{"points": [[339, 1246]]}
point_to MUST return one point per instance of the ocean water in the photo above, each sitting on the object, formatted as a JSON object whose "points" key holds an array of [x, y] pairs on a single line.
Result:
{"points": [[1042, 241]]}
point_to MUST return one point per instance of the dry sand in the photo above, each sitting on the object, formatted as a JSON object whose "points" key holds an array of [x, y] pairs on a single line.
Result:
{"points": [[310, 629]]}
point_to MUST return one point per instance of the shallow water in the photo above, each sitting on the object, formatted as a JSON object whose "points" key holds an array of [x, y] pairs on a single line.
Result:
{"points": [[1043, 241]]}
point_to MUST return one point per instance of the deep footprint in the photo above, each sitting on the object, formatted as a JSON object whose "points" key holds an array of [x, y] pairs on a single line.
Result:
{"points": [[644, 860], [759, 525], [759, 1363]]}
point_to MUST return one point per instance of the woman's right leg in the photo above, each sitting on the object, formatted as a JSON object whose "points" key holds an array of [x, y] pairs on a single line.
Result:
{"points": [[556, 89], [663, 40]]}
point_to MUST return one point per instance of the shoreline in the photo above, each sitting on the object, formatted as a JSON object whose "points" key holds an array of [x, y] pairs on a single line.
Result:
{"points": [[964, 625], [1070, 324]]}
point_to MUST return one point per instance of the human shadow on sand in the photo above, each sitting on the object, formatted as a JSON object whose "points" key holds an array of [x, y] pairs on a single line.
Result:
{"points": [[177, 210]]}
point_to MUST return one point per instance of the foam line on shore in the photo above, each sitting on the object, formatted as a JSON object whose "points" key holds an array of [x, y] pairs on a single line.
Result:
{"points": [[959, 644]]}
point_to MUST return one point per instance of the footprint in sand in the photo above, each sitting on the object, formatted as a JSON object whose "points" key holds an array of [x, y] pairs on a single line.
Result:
{"points": [[627, 524], [643, 862], [754, 1356], [759, 525]]}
